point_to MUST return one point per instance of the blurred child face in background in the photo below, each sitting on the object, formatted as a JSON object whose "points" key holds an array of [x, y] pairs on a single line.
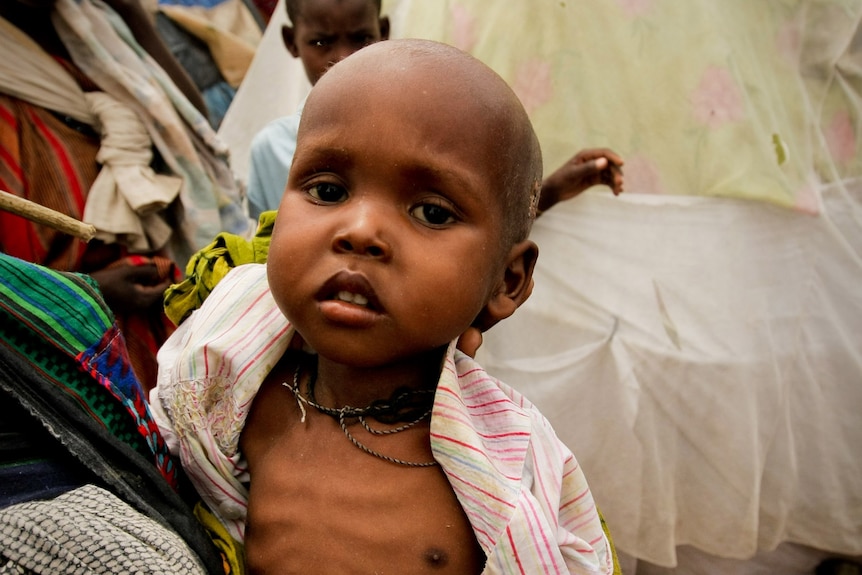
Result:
{"points": [[327, 31]]}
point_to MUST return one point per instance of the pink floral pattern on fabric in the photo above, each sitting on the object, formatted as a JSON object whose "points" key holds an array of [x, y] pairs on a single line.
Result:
{"points": [[788, 43], [635, 8], [533, 84], [463, 28], [841, 138], [717, 100], [642, 176], [807, 200], [737, 101]]}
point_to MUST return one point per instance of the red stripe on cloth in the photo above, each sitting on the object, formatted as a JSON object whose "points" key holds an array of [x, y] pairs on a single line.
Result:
{"points": [[12, 165], [8, 118], [65, 162], [8, 157], [515, 551]]}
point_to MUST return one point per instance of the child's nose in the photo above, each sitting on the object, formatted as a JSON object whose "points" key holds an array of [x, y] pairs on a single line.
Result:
{"points": [[364, 232]]}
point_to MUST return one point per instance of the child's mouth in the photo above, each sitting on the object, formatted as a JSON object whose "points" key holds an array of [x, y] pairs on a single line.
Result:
{"points": [[350, 290], [354, 298], [350, 308]]}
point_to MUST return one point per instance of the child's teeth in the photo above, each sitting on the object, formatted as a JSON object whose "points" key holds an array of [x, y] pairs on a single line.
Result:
{"points": [[354, 298]]}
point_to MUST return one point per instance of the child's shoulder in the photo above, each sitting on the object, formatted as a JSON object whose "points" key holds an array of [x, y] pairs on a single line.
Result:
{"points": [[238, 286], [491, 400], [480, 386], [247, 275], [237, 330], [498, 410]]}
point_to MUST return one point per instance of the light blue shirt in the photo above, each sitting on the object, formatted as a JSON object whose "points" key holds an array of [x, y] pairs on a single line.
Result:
{"points": [[272, 152]]}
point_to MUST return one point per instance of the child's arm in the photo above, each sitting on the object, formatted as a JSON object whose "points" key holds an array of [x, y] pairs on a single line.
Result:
{"points": [[587, 168]]}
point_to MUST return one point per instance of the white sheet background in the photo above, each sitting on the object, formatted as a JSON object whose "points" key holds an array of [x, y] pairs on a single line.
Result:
{"points": [[702, 359]]}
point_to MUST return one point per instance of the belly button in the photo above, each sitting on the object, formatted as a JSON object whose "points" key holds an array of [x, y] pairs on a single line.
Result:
{"points": [[436, 557]]}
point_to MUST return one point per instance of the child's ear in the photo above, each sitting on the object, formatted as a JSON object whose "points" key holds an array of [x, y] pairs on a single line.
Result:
{"points": [[515, 286], [288, 36], [384, 28]]}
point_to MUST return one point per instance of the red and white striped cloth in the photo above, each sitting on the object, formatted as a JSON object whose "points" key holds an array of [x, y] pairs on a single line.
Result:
{"points": [[521, 488]]}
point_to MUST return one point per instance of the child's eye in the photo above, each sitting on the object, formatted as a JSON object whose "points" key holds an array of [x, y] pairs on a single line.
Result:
{"points": [[433, 214], [327, 193], [362, 40]]}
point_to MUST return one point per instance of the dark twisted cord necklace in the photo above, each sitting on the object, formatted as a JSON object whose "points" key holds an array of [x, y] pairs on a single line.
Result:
{"points": [[406, 406]]}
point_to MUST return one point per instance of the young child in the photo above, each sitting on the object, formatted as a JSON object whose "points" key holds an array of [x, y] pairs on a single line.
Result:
{"points": [[319, 403], [326, 31], [323, 33]]}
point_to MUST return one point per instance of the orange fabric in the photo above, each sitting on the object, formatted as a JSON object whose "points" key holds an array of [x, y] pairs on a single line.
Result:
{"points": [[52, 164]]}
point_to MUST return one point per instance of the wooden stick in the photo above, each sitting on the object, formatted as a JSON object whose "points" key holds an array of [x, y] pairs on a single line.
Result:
{"points": [[46, 216]]}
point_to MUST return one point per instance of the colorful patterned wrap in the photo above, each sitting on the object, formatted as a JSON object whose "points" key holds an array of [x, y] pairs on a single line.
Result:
{"points": [[45, 313]]}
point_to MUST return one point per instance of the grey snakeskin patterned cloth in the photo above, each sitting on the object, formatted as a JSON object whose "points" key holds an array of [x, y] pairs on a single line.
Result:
{"points": [[88, 531]]}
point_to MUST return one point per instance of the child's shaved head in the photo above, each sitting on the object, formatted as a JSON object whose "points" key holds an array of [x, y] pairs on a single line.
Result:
{"points": [[462, 86]]}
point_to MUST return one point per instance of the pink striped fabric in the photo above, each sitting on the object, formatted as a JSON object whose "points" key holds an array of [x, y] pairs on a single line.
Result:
{"points": [[520, 487]]}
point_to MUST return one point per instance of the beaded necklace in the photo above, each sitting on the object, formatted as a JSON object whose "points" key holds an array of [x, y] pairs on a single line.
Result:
{"points": [[406, 406]]}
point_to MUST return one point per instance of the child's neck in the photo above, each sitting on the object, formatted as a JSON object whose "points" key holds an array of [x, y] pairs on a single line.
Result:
{"points": [[338, 385]]}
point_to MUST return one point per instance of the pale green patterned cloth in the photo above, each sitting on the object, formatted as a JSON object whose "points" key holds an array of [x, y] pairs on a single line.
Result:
{"points": [[741, 99]]}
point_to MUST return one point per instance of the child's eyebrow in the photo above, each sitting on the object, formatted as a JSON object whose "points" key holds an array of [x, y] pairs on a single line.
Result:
{"points": [[426, 173], [322, 157]]}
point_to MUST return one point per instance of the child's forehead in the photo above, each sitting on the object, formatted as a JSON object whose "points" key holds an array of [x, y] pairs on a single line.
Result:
{"points": [[427, 107], [435, 103], [409, 126], [312, 11], [436, 84]]}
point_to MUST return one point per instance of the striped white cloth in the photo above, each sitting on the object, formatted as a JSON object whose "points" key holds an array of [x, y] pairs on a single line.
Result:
{"points": [[521, 488]]}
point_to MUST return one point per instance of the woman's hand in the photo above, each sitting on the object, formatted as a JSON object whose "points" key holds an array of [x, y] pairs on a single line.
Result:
{"points": [[131, 288], [470, 341]]}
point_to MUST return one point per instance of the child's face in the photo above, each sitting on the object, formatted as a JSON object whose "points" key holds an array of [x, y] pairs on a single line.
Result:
{"points": [[388, 238], [327, 31]]}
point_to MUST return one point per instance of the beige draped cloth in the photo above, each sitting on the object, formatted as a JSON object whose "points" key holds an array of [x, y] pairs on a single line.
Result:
{"points": [[102, 46], [228, 30], [125, 198]]}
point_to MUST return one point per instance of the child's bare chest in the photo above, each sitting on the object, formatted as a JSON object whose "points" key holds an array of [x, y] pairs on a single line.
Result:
{"points": [[319, 504]]}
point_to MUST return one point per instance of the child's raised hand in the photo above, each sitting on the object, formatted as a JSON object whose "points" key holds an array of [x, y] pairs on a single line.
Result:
{"points": [[587, 168]]}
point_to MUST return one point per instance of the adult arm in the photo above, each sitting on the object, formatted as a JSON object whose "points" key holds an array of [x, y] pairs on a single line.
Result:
{"points": [[143, 27]]}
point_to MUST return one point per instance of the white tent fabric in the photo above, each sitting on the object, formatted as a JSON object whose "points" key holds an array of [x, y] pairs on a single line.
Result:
{"points": [[702, 359], [697, 341], [274, 86]]}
